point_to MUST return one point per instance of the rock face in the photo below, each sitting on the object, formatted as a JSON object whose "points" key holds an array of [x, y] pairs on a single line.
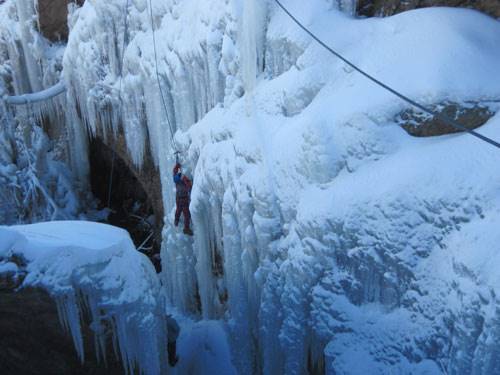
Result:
{"points": [[53, 18], [135, 192], [384, 8], [33, 341], [421, 124]]}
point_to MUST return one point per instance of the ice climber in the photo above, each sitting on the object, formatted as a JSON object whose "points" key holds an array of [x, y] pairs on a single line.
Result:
{"points": [[172, 335], [183, 187]]}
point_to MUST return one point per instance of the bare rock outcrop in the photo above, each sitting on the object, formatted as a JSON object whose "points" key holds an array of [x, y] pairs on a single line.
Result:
{"points": [[382, 8], [470, 115], [53, 18]]}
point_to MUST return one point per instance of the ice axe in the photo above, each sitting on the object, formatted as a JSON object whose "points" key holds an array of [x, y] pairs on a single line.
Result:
{"points": [[176, 153]]}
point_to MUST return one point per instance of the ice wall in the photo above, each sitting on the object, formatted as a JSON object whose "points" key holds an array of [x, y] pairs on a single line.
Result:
{"points": [[197, 71], [322, 229]]}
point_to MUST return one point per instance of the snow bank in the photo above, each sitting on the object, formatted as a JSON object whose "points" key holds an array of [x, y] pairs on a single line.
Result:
{"points": [[94, 272]]}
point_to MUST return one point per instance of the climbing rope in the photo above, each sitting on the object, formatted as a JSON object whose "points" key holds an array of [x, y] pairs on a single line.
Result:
{"points": [[437, 115], [120, 99], [158, 76]]}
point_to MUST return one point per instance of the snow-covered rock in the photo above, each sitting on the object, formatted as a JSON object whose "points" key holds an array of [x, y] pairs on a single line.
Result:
{"points": [[94, 269]]}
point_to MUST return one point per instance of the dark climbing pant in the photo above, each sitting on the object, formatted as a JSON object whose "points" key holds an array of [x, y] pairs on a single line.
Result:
{"points": [[183, 207], [172, 353]]}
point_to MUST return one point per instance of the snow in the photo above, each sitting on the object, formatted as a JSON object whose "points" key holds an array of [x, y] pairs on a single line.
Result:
{"points": [[319, 197], [8, 268], [43, 95], [203, 349]]}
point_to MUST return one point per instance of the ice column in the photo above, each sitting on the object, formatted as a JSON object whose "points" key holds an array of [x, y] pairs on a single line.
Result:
{"points": [[252, 36], [27, 15]]}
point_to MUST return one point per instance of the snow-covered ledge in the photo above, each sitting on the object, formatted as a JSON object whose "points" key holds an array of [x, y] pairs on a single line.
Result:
{"points": [[96, 268]]}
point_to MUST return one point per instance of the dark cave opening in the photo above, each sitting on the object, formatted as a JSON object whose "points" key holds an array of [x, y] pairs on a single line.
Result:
{"points": [[117, 188]]}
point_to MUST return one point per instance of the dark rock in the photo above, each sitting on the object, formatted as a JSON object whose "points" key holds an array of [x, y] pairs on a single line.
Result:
{"points": [[53, 18], [419, 124], [135, 192], [381, 8], [32, 341]]}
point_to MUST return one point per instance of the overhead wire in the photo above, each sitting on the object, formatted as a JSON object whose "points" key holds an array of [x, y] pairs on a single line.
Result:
{"points": [[405, 98]]}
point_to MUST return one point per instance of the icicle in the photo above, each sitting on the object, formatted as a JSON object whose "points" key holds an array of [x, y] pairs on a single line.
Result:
{"points": [[348, 6], [249, 45], [138, 328], [27, 17], [69, 315]]}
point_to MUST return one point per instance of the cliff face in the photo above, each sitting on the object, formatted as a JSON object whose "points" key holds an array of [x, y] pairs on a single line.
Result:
{"points": [[53, 18], [382, 8]]}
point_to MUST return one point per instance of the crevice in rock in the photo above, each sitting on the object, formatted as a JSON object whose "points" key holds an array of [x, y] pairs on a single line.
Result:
{"points": [[118, 188]]}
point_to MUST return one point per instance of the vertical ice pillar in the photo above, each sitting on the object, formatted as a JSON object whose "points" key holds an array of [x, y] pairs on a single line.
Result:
{"points": [[27, 16], [252, 38]]}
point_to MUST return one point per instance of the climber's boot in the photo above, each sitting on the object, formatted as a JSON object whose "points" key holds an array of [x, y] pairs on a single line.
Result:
{"points": [[188, 231]]}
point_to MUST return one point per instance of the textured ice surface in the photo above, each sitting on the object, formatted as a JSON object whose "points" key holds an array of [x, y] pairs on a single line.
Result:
{"points": [[323, 230]]}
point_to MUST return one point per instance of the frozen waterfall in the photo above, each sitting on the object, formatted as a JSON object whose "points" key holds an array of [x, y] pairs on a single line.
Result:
{"points": [[327, 239]]}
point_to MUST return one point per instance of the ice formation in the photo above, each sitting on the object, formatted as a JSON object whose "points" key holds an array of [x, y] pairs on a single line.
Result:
{"points": [[35, 182], [94, 269], [319, 221], [325, 236]]}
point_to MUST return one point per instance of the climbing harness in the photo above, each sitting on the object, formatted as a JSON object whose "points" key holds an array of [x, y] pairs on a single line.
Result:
{"points": [[437, 115]]}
